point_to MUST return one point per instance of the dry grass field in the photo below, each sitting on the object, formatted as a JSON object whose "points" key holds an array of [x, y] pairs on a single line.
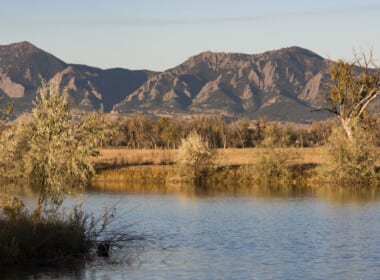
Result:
{"points": [[122, 156], [147, 169]]}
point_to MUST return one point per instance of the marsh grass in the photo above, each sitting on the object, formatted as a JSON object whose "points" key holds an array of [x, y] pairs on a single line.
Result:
{"points": [[27, 239], [49, 239], [242, 167], [251, 166]]}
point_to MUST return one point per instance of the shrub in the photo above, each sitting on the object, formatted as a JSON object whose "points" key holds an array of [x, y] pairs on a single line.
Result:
{"points": [[196, 157], [350, 162], [273, 167]]}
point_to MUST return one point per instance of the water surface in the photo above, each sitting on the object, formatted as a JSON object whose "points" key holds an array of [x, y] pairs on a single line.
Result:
{"points": [[233, 236]]}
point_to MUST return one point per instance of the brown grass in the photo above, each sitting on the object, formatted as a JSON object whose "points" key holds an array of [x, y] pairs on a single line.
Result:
{"points": [[113, 157], [148, 169]]}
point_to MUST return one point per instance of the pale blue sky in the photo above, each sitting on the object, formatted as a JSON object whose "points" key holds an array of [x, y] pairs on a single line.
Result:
{"points": [[160, 34]]}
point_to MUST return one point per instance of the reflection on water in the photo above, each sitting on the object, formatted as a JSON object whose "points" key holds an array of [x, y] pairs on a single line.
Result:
{"points": [[333, 194], [230, 233]]}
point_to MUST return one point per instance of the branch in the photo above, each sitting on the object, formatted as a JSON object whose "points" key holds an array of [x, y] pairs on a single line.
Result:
{"points": [[359, 104], [367, 102], [334, 111], [360, 107]]}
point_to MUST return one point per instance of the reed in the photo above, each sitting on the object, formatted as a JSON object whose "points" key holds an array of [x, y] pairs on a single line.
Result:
{"points": [[49, 237]]}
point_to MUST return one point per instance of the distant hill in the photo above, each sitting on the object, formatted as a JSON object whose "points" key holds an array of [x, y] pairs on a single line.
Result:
{"points": [[278, 85], [23, 66]]}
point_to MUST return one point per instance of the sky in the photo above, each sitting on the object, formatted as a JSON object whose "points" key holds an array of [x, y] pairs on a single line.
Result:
{"points": [[160, 34]]}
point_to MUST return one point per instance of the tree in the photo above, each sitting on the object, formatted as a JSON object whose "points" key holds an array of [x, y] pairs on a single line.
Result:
{"points": [[353, 86], [61, 144]]}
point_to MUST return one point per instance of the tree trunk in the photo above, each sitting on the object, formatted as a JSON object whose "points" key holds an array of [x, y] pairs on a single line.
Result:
{"points": [[347, 126]]}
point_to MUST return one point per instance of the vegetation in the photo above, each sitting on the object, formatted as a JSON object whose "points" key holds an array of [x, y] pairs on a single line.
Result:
{"points": [[116, 157], [142, 132], [350, 150], [53, 151], [350, 163], [353, 86], [5, 111], [45, 239], [196, 157], [273, 167], [57, 148]]}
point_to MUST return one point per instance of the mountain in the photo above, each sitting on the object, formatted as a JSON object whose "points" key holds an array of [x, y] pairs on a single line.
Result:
{"points": [[23, 66], [281, 84], [278, 85]]}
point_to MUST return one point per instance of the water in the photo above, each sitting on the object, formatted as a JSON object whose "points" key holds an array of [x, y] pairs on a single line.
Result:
{"points": [[235, 237]]}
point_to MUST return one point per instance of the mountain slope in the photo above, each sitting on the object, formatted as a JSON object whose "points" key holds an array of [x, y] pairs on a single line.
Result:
{"points": [[280, 84], [23, 66]]}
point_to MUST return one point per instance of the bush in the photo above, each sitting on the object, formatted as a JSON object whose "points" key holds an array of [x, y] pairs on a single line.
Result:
{"points": [[350, 162], [196, 157], [273, 167]]}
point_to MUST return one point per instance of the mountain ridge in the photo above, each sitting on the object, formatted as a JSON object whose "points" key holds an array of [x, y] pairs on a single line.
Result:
{"points": [[235, 85], [23, 66], [280, 84]]}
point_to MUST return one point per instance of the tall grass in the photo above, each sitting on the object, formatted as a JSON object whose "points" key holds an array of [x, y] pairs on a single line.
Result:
{"points": [[45, 239]]}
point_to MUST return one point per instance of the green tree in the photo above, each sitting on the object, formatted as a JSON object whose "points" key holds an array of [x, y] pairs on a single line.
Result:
{"points": [[60, 146]]}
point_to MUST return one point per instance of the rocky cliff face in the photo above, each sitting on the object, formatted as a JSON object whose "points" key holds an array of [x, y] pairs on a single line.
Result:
{"points": [[23, 66], [278, 85]]}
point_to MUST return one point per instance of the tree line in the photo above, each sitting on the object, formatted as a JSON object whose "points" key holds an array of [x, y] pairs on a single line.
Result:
{"points": [[143, 132]]}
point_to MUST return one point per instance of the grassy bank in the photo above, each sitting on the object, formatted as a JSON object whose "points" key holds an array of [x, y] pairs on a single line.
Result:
{"points": [[251, 167]]}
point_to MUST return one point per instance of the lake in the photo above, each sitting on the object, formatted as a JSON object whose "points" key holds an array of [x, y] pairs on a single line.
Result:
{"points": [[192, 235]]}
